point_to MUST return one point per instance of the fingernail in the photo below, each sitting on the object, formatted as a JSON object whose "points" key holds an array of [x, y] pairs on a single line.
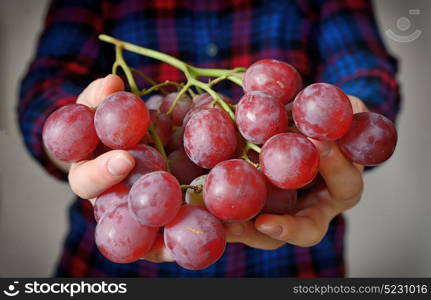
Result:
{"points": [[119, 165], [236, 229], [272, 230]]}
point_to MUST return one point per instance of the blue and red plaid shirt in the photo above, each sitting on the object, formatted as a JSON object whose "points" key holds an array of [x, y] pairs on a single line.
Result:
{"points": [[327, 41]]}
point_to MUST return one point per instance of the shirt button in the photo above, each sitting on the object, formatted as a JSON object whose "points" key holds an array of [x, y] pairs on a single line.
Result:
{"points": [[212, 49]]}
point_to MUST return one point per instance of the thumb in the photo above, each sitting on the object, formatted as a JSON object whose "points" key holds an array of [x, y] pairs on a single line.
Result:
{"points": [[89, 178]]}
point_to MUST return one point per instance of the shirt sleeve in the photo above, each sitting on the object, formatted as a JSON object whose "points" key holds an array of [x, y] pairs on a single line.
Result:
{"points": [[350, 53], [64, 63]]}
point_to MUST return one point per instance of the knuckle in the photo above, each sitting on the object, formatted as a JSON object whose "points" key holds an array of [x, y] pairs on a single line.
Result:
{"points": [[353, 191], [248, 236]]}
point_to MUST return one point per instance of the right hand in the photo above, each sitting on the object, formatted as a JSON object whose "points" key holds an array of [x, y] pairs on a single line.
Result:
{"points": [[89, 178]]}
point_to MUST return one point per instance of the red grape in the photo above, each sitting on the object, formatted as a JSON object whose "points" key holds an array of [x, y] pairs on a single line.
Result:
{"points": [[110, 198], [155, 198], [275, 78], [195, 238], [181, 107], [260, 116], [163, 126], [147, 159], [370, 140], [209, 137], [240, 144], [234, 191], [154, 102], [176, 139], [289, 160], [120, 238], [69, 133], [183, 168], [121, 120], [322, 111], [279, 201], [196, 197]]}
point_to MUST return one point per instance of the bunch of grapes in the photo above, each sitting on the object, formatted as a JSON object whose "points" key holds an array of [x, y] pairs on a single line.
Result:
{"points": [[201, 160]]}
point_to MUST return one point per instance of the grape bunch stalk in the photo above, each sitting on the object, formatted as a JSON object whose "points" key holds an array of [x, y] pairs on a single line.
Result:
{"points": [[200, 159]]}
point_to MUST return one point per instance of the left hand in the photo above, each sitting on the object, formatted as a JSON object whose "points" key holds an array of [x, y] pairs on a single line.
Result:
{"points": [[315, 209]]}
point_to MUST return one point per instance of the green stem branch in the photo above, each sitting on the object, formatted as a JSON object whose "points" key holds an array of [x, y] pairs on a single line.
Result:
{"points": [[158, 86], [253, 147], [157, 141], [179, 95], [214, 95], [188, 70]]}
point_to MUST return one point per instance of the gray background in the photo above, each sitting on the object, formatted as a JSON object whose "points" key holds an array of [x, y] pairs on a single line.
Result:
{"points": [[388, 232]]}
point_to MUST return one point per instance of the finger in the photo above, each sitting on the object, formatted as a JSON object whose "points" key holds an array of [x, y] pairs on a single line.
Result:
{"points": [[87, 96], [342, 178], [159, 253], [90, 178], [306, 228], [99, 89], [246, 233], [357, 104]]}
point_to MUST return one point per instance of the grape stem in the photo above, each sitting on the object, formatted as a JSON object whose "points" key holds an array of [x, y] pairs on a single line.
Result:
{"points": [[148, 79], [250, 146], [196, 188], [192, 75], [158, 86], [179, 95], [219, 79], [157, 142], [188, 70], [215, 96]]}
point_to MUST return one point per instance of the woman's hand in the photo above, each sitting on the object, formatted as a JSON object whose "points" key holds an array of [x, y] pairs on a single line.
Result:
{"points": [[90, 178], [341, 190]]}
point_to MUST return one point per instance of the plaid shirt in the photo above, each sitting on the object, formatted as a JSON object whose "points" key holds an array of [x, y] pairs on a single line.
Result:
{"points": [[330, 41]]}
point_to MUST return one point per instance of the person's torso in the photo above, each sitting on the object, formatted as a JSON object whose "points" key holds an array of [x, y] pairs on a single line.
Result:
{"points": [[217, 34]]}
